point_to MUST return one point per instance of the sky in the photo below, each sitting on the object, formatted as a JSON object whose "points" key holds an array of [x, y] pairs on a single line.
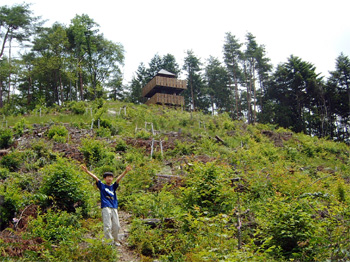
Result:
{"points": [[316, 31]]}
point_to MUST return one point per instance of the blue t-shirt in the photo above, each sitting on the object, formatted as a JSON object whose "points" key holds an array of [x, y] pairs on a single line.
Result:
{"points": [[108, 195]]}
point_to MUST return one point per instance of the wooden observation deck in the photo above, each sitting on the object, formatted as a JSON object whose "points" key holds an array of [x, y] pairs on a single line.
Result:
{"points": [[164, 89]]}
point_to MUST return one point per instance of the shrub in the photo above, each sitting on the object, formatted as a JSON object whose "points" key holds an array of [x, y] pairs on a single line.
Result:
{"points": [[106, 123], [7, 211], [58, 133], [94, 250], [62, 185], [182, 148], [20, 126], [204, 188], [103, 132], [5, 137], [4, 173], [78, 107], [93, 150], [12, 161], [99, 102], [41, 148], [121, 145], [143, 134], [55, 226], [288, 229]]}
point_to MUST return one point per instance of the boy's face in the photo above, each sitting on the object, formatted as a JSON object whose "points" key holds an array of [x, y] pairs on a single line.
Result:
{"points": [[108, 180]]}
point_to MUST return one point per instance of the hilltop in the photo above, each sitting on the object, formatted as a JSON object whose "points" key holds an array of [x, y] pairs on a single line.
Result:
{"points": [[209, 189]]}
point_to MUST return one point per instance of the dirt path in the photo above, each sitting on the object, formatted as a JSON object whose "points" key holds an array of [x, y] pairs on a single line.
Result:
{"points": [[125, 253]]}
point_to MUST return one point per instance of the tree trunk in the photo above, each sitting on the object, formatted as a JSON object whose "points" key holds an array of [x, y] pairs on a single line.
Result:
{"points": [[254, 91], [1, 103], [262, 93], [9, 93], [61, 88], [348, 89], [212, 104], [249, 90], [192, 93], [29, 100], [231, 98], [94, 84], [238, 110], [55, 86], [4, 42], [81, 85]]}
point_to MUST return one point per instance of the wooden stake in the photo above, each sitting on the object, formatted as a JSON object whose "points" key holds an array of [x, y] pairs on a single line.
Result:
{"points": [[161, 147], [152, 147]]}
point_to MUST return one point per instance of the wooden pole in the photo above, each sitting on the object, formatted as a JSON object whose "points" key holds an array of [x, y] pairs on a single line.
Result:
{"points": [[161, 147], [152, 147]]}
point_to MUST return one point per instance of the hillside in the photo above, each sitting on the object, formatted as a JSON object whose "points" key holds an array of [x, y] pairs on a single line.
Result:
{"points": [[213, 190]]}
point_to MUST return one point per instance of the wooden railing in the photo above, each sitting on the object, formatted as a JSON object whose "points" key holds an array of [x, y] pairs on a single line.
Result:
{"points": [[166, 99], [165, 82]]}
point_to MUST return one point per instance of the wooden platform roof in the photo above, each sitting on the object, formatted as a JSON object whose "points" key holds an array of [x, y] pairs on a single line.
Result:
{"points": [[165, 73]]}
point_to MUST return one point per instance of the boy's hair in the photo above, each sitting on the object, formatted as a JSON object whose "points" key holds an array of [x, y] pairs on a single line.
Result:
{"points": [[106, 174]]}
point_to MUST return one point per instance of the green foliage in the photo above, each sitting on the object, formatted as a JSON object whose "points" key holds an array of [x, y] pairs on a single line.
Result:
{"points": [[143, 134], [103, 132], [206, 189], [5, 137], [63, 186], [105, 123], [289, 189], [161, 205], [341, 194], [288, 228], [98, 103], [20, 126], [121, 145], [12, 161], [77, 107], [94, 250], [41, 148], [7, 211], [182, 148], [4, 173], [56, 227], [93, 150], [58, 133]]}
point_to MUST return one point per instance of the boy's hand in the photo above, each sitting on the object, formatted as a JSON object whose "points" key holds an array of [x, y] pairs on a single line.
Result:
{"points": [[84, 168], [89, 173], [128, 168]]}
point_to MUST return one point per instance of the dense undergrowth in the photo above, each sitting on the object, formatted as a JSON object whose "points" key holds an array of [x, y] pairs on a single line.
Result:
{"points": [[221, 190]]}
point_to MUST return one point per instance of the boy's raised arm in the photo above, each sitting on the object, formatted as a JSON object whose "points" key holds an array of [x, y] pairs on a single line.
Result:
{"points": [[89, 173], [127, 169]]}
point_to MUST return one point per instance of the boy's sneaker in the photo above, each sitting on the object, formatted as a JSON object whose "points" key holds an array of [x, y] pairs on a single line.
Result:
{"points": [[118, 244]]}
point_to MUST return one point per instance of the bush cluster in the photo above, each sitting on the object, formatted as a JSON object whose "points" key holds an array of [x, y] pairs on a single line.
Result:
{"points": [[6, 136], [58, 133], [63, 186]]}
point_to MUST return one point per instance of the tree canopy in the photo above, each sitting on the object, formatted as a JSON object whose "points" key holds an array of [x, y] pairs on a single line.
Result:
{"points": [[75, 62]]}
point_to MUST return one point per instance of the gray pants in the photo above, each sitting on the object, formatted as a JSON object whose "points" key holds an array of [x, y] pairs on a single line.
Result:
{"points": [[111, 223]]}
